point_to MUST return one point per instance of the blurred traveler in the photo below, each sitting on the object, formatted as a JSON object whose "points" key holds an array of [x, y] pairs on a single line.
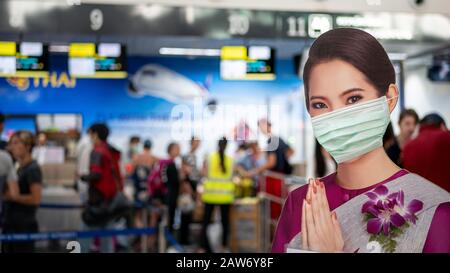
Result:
{"points": [[19, 211], [407, 122], [133, 147], [218, 190], [82, 154], [104, 187], [173, 182], [278, 154], [163, 188], [253, 158], [429, 153], [8, 178], [190, 177], [278, 151], [391, 146], [241, 151], [190, 161], [39, 151], [157, 188], [3, 143], [142, 165]]}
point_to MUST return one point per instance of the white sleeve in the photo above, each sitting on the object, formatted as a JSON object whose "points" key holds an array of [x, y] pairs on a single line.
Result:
{"points": [[12, 174]]}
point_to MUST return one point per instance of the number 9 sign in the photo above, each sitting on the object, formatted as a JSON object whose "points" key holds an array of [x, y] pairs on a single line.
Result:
{"points": [[96, 17]]}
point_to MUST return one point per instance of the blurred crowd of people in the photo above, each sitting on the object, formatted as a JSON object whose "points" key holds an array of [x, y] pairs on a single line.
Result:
{"points": [[176, 190], [138, 189]]}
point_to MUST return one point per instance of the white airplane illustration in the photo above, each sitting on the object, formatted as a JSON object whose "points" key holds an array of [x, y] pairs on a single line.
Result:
{"points": [[159, 81]]}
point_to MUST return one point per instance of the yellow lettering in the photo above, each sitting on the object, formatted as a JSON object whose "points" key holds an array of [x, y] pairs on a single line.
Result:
{"points": [[45, 81], [65, 80], [36, 82], [73, 82], [62, 80], [54, 79]]}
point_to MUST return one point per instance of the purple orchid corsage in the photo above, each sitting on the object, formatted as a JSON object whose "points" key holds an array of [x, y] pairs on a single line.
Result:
{"points": [[387, 217]]}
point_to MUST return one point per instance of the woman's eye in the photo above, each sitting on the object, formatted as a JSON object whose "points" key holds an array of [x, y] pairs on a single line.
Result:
{"points": [[319, 105], [353, 99]]}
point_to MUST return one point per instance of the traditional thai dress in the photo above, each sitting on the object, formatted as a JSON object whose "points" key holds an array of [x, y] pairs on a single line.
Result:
{"points": [[430, 233]]}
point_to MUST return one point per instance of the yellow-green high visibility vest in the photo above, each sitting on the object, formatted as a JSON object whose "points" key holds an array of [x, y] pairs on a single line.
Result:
{"points": [[219, 187]]}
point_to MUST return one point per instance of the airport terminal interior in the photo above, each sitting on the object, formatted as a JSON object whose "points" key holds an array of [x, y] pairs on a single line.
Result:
{"points": [[188, 126]]}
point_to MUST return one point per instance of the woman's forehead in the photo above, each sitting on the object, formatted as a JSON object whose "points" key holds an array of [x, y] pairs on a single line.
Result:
{"points": [[335, 76]]}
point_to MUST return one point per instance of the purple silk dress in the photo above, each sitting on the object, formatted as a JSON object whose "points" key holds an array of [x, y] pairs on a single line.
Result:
{"points": [[289, 224]]}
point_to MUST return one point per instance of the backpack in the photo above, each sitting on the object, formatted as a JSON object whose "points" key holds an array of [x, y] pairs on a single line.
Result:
{"points": [[157, 180], [109, 209], [115, 162]]}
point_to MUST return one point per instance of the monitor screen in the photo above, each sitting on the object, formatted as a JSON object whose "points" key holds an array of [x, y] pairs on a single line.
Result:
{"points": [[440, 68], [247, 63], [25, 59], [103, 60]]}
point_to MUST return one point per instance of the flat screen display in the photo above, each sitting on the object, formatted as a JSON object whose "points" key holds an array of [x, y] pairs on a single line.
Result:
{"points": [[103, 60], [247, 63]]}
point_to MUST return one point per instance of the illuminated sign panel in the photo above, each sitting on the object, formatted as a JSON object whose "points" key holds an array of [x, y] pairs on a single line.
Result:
{"points": [[25, 59], [104, 60], [247, 63]]}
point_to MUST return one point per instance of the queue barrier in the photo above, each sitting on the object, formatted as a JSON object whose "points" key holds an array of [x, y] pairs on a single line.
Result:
{"points": [[55, 235], [67, 235], [75, 206], [166, 236], [267, 198], [59, 206]]}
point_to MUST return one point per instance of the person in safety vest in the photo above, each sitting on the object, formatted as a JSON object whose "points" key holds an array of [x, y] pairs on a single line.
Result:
{"points": [[218, 190]]}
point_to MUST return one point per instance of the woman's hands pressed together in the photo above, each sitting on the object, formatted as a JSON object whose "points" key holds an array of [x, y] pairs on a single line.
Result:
{"points": [[320, 228]]}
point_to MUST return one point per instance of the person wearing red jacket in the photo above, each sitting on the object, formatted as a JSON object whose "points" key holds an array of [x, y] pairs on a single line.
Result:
{"points": [[104, 181], [428, 154]]}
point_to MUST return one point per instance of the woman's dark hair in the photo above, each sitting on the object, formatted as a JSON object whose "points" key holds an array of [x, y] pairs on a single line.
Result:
{"points": [[134, 139], [101, 130], [26, 137], [321, 167], [222, 146], [171, 146], [391, 146], [243, 146], [320, 161], [357, 48], [408, 113], [147, 144], [389, 134]]}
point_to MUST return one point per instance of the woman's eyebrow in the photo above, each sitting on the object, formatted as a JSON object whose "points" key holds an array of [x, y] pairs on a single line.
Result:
{"points": [[350, 91], [317, 97]]}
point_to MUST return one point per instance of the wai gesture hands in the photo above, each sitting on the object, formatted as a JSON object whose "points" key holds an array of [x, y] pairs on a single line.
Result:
{"points": [[320, 228]]}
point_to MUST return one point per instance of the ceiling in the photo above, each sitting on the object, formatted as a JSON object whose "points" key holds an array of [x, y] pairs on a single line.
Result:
{"points": [[411, 6], [286, 48]]}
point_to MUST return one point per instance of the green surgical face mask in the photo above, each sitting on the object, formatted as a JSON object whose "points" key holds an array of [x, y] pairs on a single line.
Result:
{"points": [[352, 131]]}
